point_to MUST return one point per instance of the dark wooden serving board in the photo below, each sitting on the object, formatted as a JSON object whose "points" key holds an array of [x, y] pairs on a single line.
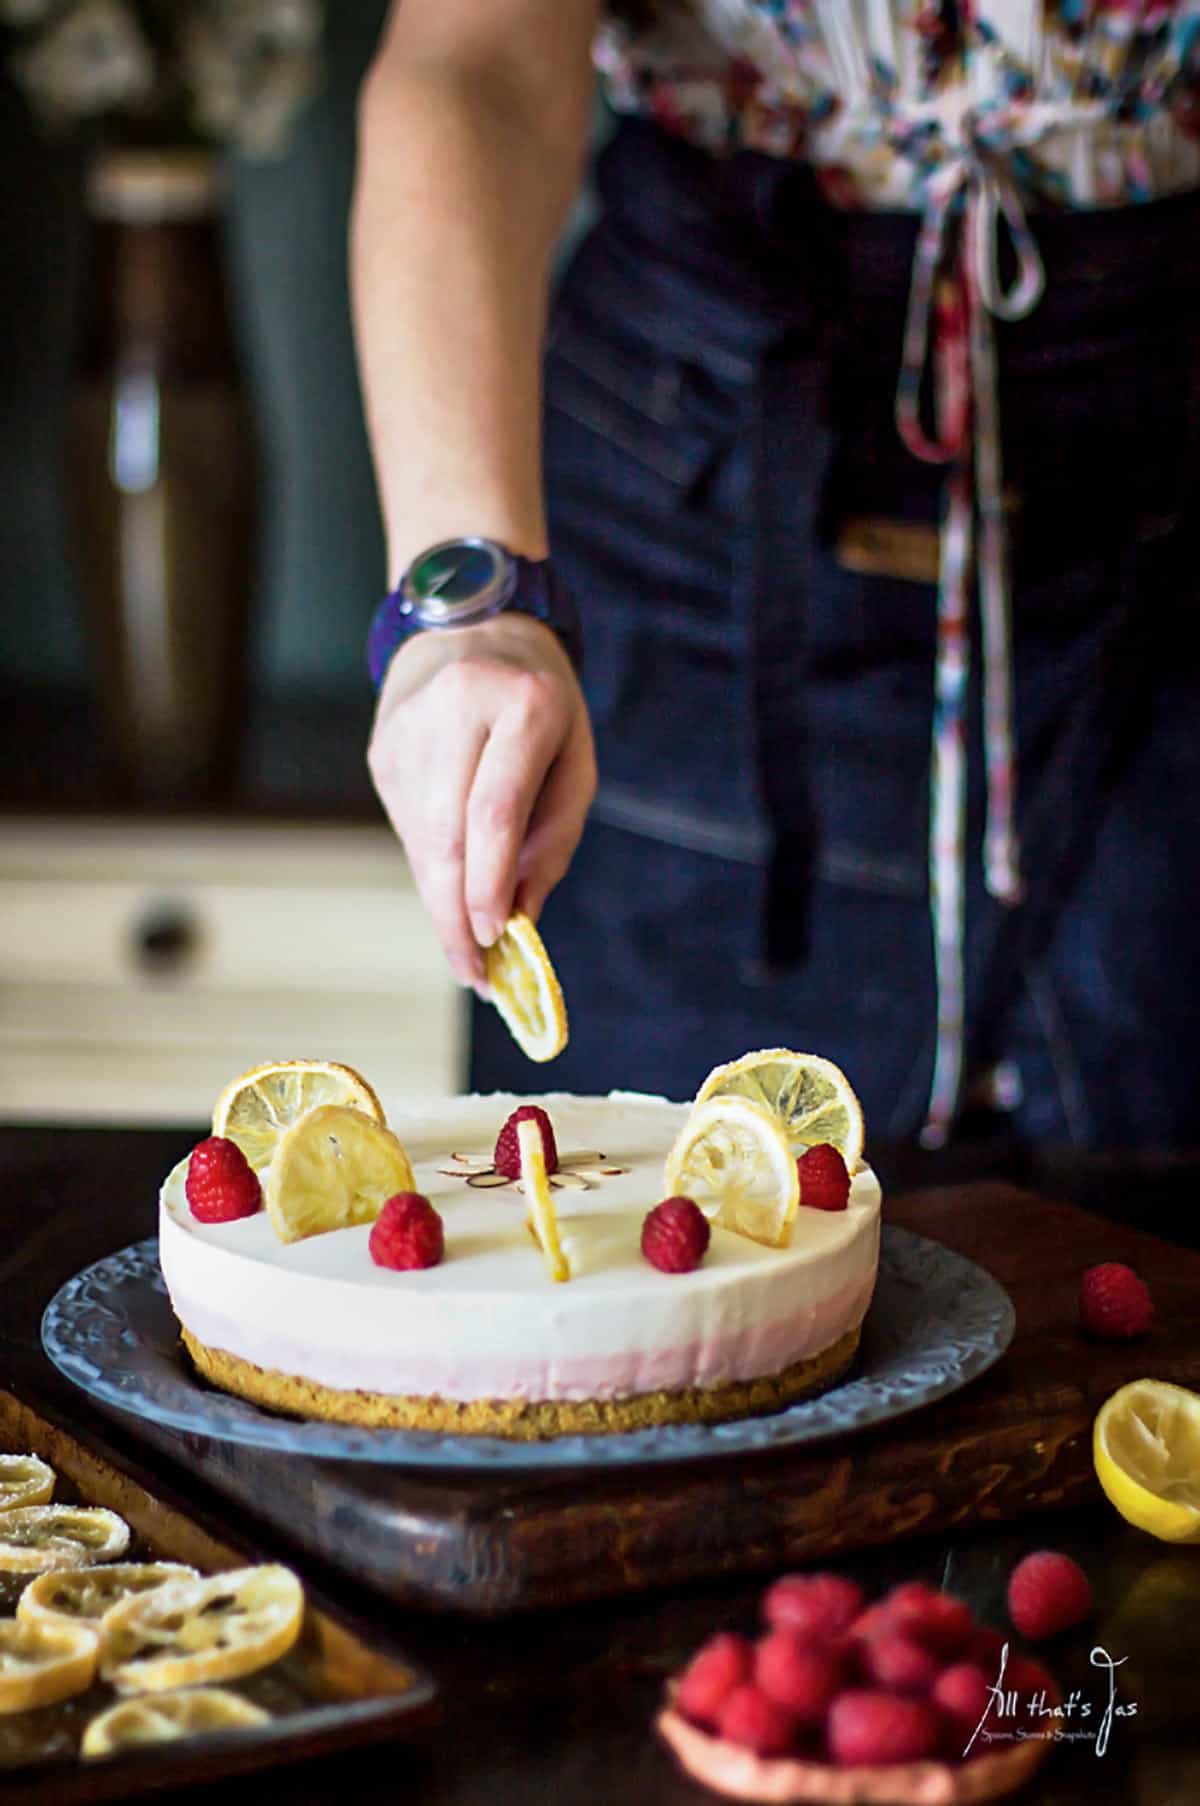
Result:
{"points": [[1015, 1441]]}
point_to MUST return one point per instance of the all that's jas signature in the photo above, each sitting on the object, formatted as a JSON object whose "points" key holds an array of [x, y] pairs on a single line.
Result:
{"points": [[1008, 1718]]}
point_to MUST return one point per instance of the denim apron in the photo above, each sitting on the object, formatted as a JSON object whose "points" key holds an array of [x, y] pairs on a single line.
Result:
{"points": [[720, 388]]}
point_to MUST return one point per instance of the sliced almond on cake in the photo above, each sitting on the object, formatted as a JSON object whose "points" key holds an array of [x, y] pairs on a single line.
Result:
{"points": [[256, 1109], [193, 1631], [732, 1159], [193, 1712], [526, 991], [333, 1169], [543, 1218]]}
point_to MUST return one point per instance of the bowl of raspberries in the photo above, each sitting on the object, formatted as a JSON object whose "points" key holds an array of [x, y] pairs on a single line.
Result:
{"points": [[906, 1699]]}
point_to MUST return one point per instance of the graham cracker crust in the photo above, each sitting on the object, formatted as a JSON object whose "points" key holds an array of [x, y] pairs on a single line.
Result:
{"points": [[523, 1420]]}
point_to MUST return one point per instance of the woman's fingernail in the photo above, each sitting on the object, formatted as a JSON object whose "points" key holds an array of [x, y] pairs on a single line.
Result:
{"points": [[486, 931]]}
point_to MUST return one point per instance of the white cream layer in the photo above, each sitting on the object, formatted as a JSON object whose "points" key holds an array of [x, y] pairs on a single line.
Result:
{"points": [[489, 1322]]}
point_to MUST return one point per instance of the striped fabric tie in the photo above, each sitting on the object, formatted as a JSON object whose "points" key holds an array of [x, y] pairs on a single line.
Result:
{"points": [[956, 291]]}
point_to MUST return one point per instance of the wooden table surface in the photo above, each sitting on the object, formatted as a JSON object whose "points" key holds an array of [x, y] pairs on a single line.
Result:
{"points": [[554, 1706]]}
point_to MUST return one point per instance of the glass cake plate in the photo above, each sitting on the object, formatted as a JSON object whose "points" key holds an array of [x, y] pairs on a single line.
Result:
{"points": [[936, 1322]]}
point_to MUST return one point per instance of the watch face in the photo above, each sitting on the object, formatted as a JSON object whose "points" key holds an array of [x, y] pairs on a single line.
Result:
{"points": [[458, 579]]}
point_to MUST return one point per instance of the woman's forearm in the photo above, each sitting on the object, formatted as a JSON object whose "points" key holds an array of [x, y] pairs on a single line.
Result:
{"points": [[467, 168]]}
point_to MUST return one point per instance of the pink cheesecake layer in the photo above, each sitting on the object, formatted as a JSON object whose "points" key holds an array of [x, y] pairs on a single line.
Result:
{"points": [[743, 1355]]}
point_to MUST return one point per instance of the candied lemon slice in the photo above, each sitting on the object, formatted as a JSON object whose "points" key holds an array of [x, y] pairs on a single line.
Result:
{"points": [[193, 1712], [543, 1218], [526, 991], [192, 1631], [812, 1097], [332, 1169], [256, 1109], [731, 1158], [42, 1663], [36, 1537], [83, 1595], [24, 1480], [1146, 1451]]}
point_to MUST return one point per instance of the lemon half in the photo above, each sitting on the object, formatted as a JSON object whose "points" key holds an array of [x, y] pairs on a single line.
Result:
{"points": [[1146, 1451]]}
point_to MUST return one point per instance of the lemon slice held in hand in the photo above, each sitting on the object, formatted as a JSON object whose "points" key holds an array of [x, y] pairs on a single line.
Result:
{"points": [[812, 1098], [210, 1629], [192, 1712], [43, 1663], [256, 1109], [334, 1168], [24, 1480], [732, 1159], [526, 991], [1146, 1451]]}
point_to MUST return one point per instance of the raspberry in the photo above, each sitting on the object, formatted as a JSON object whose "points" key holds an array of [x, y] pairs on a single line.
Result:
{"points": [[1047, 1592], [750, 1718], [824, 1181], [717, 1667], [893, 1660], [674, 1235], [817, 1605], [869, 1726], [938, 1620], [964, 1693], [507, 1155], [221, 1185], [1114, 1302], [800, 1676], [407, 1234]]}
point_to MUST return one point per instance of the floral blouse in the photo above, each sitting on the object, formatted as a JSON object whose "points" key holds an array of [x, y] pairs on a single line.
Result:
{"points": [[1098, 101], [970, 113]]}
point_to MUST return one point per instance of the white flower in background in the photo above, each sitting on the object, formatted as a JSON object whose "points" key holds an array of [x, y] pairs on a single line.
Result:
{"points": [[92, 59], [249, 65], [234, 71]]}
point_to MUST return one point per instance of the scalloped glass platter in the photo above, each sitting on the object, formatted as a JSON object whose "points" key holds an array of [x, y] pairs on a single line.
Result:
{"points": [[937, 1321]]}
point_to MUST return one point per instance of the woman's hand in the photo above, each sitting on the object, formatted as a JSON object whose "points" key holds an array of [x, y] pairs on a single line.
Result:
{"points": [[482, 756]]}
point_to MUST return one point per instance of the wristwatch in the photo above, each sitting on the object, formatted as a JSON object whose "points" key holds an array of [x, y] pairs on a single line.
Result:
{"points": [[461, 581]]}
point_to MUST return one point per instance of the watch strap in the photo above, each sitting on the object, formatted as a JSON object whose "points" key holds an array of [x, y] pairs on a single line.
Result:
{"points": [[536, 590]]}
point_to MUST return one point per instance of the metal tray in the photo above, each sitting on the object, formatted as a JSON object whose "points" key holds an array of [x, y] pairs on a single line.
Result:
{"points": [[341, 1685]]}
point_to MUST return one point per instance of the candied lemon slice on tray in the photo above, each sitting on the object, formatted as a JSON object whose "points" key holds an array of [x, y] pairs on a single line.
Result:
{"points": [[732, 1159], [83, 1595], [1146, 1451], [192, 1631], [24, 1480], [526, 991], [192, 1712], [36, 1537], [812, 1097], [43, 1663], [543, 1218], [334, 1168], [256, 1109]]}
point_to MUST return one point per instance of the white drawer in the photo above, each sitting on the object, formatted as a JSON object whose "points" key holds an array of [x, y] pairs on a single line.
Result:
{"points": [[142, 966]]}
